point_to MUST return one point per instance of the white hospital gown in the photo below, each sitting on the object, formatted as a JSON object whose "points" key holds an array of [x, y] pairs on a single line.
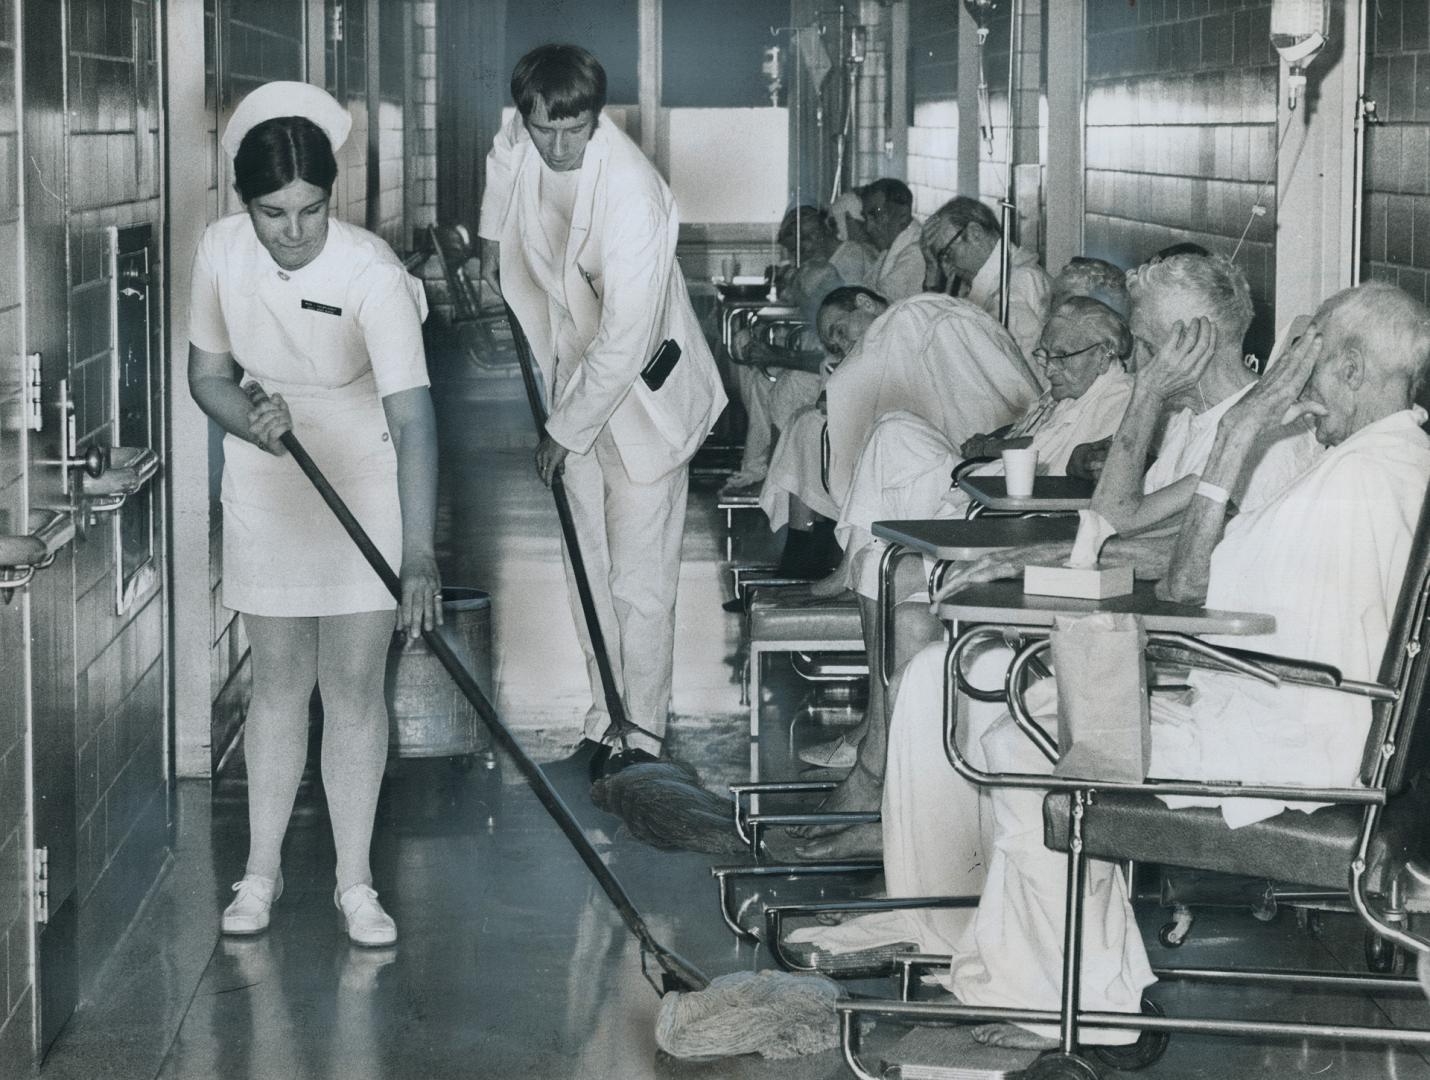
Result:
{"points": [[939, 358]]}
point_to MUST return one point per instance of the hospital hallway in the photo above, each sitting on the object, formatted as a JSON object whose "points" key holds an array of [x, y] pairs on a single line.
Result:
{"points": [[511, 963]]}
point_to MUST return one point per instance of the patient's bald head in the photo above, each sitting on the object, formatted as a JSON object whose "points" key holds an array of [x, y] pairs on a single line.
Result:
{"points": [[1375, 355]]}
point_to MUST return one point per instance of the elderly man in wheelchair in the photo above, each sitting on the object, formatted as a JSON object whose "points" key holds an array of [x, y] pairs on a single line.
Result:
{"points": [[1326, 558]]}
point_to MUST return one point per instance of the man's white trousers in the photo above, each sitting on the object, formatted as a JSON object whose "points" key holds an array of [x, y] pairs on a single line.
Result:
{"points": [[630, 536]]}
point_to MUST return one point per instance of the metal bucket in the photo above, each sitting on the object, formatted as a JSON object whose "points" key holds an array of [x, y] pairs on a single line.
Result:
{"points": [[428, 715]]}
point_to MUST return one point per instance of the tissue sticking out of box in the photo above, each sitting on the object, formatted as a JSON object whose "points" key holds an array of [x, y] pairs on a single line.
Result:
{"points": [[1093, 531], [1083, 576]]}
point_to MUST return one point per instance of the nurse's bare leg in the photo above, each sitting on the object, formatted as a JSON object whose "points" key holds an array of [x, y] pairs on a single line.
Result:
{"points": [[275, 733], [645, 524], [352, 662]]}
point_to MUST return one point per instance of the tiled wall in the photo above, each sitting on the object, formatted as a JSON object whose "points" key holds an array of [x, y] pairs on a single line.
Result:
{"points": [[114, 171], [15, 985], [421, 143], [1396, 240], [274, 53], [1181, 134], [933, 75]]}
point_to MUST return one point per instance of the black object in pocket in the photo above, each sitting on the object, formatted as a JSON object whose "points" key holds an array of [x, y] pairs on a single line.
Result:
{"points": [[661, 364]]}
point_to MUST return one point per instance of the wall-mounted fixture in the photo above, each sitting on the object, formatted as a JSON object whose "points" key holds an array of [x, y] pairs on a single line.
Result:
{"points": [[1299, 29], [772, 68]]}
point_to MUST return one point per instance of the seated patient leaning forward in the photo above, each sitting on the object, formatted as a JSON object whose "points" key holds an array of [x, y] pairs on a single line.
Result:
{"points": [[1326, 557]]}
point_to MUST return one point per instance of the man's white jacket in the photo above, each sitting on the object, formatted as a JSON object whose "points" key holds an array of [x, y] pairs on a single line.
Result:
{"points": [[625, 296]]}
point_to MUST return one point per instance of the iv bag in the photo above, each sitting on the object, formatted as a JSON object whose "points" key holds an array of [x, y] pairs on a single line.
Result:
{"points": [[1299, 28]]}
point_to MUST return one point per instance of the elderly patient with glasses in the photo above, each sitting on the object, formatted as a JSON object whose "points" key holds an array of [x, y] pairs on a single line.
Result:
{"points": [[903, 474]]}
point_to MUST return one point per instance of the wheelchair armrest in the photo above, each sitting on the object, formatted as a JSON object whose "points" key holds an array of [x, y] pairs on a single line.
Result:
{"points": [[966, 466], [1302, 672]]}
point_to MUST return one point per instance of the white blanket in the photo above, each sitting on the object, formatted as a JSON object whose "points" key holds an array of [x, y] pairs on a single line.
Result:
{"points": [[938, 358], [903, 470]]}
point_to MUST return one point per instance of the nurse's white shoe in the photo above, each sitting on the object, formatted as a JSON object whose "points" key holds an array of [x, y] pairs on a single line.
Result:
{"points": [[363, 918], [248, 913]]}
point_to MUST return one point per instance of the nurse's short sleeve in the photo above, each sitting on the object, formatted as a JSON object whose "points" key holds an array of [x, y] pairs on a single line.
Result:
{"points": [[208, 330], [391, 315]]}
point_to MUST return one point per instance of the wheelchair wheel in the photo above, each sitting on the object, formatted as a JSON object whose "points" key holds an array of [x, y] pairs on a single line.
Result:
{"points": [[1056, 1066], [1383, 957], [1150, 1046]]}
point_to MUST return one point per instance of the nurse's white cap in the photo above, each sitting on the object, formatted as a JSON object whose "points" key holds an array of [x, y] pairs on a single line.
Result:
{"points": [[275, 99]]}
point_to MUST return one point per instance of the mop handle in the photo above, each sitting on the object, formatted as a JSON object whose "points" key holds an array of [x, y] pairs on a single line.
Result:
{"points": [[620, 722], [681, 972]]}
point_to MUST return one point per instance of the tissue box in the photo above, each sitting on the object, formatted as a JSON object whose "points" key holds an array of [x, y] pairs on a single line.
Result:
{"points": [[1100, 582]]}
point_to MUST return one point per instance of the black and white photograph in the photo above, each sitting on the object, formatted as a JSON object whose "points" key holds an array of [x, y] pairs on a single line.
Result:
{"points": [[714, 539]]}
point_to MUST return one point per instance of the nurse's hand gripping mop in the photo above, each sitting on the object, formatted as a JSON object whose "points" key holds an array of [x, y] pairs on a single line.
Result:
{"points": [[621, 725], [676, 972]]}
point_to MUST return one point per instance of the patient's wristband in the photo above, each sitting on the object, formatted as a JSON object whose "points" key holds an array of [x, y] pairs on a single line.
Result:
{"points": [[1215, 493]]}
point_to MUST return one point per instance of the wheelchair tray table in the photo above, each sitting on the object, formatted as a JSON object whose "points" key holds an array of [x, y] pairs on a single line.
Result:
{"points": [[957, 540], [1005, 602], [1050, 494]]}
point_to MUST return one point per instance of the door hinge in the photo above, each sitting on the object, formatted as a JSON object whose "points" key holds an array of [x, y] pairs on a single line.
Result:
{"points": [[335, 23], [42, 885], [34, 415]]}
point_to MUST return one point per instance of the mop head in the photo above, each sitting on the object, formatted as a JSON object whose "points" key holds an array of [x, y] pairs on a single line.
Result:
{"points": [[770, 1013], [663, 804]]}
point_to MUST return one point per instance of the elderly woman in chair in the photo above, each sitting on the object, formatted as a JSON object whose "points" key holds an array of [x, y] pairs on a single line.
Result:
{"points": [[1326, 557]]}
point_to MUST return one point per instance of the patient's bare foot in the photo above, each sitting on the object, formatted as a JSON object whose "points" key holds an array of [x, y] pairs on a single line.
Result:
{"points": [[827, 588], [1012, 1037], [861, 790], [852, 842], [837, 582]]}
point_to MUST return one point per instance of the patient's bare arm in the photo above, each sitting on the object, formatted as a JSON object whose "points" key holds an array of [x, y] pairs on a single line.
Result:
{"points": [[1271, 403], [1175, 367]]}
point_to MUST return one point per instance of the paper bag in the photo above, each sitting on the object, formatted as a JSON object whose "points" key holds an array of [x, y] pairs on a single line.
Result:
{"points": [[1104, 724]]}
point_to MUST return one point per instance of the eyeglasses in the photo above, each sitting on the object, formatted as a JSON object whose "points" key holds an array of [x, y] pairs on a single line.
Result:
{"points": [[1047, 359], [955, 238]]}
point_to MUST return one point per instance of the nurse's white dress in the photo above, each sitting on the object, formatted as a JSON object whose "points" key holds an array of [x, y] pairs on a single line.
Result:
{"points": [[334, 338]]}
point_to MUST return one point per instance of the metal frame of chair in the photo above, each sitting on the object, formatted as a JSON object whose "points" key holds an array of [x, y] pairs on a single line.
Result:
{"points": [[1393, 757]]}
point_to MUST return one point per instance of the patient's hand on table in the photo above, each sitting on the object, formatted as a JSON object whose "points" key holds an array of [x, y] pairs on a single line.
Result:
{"points": [[1001, 564], [1088, 459]]}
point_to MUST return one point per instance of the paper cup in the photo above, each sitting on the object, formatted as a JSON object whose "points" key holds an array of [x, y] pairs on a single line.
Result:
{"points": [[1019, 467]]}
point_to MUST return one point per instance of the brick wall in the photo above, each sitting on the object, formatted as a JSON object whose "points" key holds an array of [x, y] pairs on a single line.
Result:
{"points": [[15, 985], [421, 122], [933, 77], [1181, 134], [1396, 239], [261, 42], [114, 180]]}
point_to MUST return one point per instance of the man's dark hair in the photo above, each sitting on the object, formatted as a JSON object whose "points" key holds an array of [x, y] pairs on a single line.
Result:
{"points": [[845, 297], [894, 191], [805, 217], [567, 77], [962, 211], [1186, 247], [278, 151]]}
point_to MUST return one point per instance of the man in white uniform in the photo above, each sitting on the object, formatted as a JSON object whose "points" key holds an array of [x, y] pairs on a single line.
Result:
{"points": [[1326, 557], [964, 238], [587, 232], [891, 226]]}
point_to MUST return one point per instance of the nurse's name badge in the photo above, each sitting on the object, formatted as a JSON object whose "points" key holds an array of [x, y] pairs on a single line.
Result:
{"points": [[326, 309]]}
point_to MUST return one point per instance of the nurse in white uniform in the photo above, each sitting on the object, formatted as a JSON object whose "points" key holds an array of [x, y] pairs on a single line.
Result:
{"points": [[323, 318]]}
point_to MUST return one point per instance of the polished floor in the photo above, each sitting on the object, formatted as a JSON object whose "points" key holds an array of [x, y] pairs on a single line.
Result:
{"points": [[511, 963]]}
